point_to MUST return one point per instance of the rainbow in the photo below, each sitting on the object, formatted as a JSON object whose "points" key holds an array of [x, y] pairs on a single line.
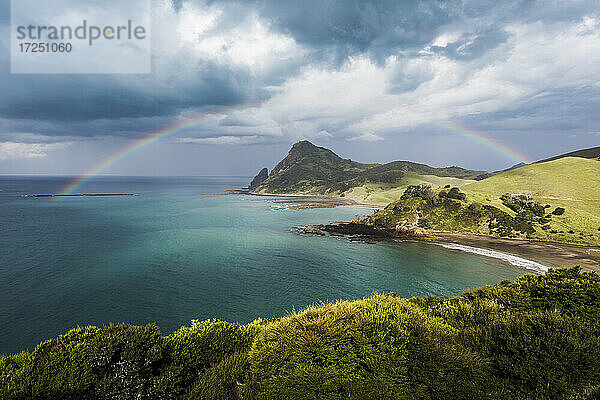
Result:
{"points": [[485, 140], [149, 139], [180, 126]]}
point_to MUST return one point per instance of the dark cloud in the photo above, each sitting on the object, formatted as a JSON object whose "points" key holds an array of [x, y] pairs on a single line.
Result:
{"points": [[348, 27], [328, 37]]}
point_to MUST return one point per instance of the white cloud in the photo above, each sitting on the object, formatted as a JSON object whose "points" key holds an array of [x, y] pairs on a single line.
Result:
{"points": [[16, 150], [362, 99], [201, 33], [367, 137]]}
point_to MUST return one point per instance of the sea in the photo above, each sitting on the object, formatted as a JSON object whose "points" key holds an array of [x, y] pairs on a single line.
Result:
{"points": [[178, 250]]}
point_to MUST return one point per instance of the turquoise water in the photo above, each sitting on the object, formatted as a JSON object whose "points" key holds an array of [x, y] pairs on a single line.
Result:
{"points": [[178, 252]]}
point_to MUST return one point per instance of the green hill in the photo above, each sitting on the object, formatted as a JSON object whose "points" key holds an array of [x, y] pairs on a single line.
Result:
{"points": [[563, 178], [556, 201], [572, 183], [534, 338], [309, 169]]}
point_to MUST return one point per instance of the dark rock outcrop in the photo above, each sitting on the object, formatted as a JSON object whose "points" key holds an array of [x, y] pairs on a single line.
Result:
{"points": [[259, 178]]}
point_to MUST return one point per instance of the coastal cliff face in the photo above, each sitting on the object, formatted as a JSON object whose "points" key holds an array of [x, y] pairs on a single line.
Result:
{"points": [[259, 178]]}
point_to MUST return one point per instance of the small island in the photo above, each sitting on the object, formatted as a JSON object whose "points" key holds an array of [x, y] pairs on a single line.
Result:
{"points": [[82, 195]]}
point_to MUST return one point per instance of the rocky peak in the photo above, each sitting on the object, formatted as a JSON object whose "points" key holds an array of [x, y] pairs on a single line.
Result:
{"points": [[259, 178]]}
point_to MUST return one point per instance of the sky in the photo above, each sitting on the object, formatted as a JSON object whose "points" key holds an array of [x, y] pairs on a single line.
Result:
{"points": [[474, 83]]}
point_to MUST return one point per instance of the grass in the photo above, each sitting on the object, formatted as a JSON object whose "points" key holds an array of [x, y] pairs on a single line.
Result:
{"points": [[570, 182], [385, 193], [562, 179]]}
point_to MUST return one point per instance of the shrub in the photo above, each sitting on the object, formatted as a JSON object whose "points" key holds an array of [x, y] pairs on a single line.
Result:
{"points": [[423, 191], [380, 347], [536, 337], [424, 223], [538, 333], [195, 348], [341, 350], [523, 204], [454, 193], [558, 211], [223, 381], [116, 361]]}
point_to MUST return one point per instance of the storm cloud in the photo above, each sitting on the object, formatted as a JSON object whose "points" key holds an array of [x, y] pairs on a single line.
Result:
{"points": [[346, 74]]}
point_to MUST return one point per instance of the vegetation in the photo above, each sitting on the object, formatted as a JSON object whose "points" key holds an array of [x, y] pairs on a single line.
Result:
{"points": [[309, 169], [568, 189], [533, 338], [422, 207], [511, 215], [563, 193]]}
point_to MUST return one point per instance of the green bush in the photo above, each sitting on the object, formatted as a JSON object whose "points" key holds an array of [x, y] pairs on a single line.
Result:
{"points": [[540, 334], [223, 381], [195, 348], [536, 337], [558, 211], [119, 360], [337, 351]]}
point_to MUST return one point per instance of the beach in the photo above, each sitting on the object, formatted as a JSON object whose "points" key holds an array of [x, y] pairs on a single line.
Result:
{"points": [[551, 254]]}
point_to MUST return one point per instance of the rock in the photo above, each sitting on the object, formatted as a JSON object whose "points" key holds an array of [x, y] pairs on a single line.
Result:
{"points": [[311, 230], [259, 178]]}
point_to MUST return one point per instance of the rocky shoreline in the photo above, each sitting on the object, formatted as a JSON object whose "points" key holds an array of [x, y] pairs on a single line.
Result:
{"points": [[550, 254]]}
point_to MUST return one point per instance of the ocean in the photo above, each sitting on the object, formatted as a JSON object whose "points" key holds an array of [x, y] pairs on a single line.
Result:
{"points": [[177, 251]]}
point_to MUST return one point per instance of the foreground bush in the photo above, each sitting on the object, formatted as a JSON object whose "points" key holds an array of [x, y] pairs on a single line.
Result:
{"points": [[537, 337]]}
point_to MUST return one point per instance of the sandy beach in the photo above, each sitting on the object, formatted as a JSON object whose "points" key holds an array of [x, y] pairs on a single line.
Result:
{"points": [[551, 254]]}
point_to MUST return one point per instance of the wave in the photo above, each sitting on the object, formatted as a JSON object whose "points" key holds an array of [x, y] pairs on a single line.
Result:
{"points": [[511, 259]]}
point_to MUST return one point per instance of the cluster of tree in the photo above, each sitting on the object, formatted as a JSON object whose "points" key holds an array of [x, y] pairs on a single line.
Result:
{"points": [[453, 193], [524, 205]]}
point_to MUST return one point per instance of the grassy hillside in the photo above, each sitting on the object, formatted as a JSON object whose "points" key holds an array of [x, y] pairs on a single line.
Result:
{"points": [[534, 338], [309, 169], [385, 193], [572, 183], [565, 178]]}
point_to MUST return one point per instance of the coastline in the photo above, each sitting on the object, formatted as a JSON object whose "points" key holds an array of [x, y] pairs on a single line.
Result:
{"points": [[553, 255], [548, 254]]}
